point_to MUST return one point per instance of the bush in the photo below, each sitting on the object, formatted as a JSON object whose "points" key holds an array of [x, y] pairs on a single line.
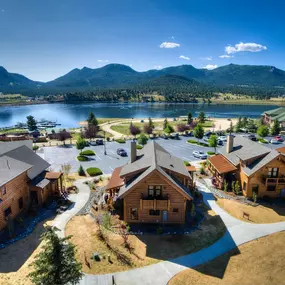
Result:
{"points": [[210, 152], [82, 158], [81, 171], [88, 152], [202, 170], [262, 140], [198, 143], [186, 163], [139, 146], [94, 171], [142, 139], [120, 140], [35, 147]]}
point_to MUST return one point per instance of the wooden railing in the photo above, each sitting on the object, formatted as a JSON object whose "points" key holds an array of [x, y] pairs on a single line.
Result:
{"points": [[155, 204], [275, 181]]}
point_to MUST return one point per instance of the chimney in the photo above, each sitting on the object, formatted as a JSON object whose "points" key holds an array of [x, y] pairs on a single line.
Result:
{"points": [[230, 143], [133, 151]]}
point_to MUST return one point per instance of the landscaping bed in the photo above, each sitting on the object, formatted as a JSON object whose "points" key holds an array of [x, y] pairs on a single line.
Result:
{"points": [[198, 143], [94, 171], [120, 141], [266, 257], [87, 152], [82, 158]]}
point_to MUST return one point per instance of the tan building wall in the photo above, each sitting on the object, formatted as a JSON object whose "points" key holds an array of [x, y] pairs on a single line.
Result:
{"points": [[15, 189], [176, 201]]}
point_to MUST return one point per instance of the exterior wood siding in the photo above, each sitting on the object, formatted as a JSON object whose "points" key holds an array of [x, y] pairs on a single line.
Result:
{"points": [[15, 189], [133, 200]]}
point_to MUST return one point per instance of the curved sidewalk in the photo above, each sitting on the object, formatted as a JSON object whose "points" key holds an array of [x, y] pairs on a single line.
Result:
{"points": [[238, 232]]}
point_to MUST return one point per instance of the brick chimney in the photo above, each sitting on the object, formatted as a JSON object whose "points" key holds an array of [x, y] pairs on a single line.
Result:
{"points": [[230, 143], [133, 151]]}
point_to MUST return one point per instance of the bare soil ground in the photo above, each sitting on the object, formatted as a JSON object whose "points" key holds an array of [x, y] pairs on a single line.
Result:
{"points": [[259, 214], [148, 249], [258, 262]]}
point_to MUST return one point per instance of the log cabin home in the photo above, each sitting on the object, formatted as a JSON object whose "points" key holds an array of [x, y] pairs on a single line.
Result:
{"points": [[24, 180], [258, 168], [154, 187], [275, 114]]}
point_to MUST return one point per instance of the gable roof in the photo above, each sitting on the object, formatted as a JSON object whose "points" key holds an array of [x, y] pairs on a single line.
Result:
{"points": [[28, 156], [275, 112], [281, 149], [10, 168], [116, 181], [244, 149], [154, 157], [221, 164]]}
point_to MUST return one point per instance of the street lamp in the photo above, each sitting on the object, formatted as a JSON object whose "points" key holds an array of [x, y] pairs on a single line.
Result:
{"points": [[105, 152]]}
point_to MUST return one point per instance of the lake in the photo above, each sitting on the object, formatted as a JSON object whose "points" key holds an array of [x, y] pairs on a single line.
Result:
{"points": [[68, 115]]}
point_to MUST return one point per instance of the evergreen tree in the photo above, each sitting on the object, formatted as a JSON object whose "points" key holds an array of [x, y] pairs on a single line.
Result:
{"points": [[56, 263], [150, 123], [31, 123], [81, 171], [231, 128], [263, 131], [239, 124], [80, 144], [213, 142], [244, 122], [91, 116], [201, 117], [275, 130], [142, 139], [189, 118], [165, 123], [199, 132]]}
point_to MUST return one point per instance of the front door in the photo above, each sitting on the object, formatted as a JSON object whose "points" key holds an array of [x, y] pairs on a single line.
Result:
{"points": [[34, 197], [164, 216]]}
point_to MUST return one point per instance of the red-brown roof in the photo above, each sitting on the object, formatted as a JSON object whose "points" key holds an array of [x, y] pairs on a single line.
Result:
{"points": [[281, 149], [116, 181], [191, 168], [221, 164], [53, 175]]}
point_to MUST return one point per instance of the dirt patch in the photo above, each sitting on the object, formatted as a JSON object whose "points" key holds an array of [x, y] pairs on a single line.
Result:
{"points": [[257, 262], [148, 249], [259, 214]]}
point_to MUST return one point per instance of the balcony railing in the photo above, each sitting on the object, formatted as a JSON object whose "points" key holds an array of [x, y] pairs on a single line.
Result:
{"points": [[154, 203], [273, 181]]}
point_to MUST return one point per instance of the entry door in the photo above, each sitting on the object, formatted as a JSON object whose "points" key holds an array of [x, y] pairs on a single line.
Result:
{"points": [[164, 216]]}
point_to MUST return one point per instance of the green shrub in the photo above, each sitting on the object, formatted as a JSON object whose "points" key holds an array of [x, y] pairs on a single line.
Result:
{"points": [[88, 152], [35, 147], [198, 143], [202, 170], [142, 139], [81, 171], [262, 140], [186, 163], [139, 146], [210, 152], [82, 158], [94, 171], [120, 140]]}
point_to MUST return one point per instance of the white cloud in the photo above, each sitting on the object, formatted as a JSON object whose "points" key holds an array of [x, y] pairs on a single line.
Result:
{"points": [[210, 66], [250, 47], [169, 45], [157, 67], [184, 57], [206, 58], [173, 38], [226, 56], [103, 60]]}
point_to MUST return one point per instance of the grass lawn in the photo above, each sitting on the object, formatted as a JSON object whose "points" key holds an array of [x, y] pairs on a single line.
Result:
{"points": [[148, 249], [259, 214], [258, 262]]}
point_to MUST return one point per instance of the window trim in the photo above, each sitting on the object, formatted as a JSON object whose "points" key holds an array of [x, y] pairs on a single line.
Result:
{"points": [[154, 189], [271, 171], [132, 216], [3, 190], [6, 216]]}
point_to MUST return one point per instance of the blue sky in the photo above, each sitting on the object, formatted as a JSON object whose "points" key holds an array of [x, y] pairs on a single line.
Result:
{"points": [[46, 39]]}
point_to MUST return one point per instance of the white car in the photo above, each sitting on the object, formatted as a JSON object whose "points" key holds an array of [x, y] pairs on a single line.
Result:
{"points": [[200, 154], [222, 138], [274, 141]]}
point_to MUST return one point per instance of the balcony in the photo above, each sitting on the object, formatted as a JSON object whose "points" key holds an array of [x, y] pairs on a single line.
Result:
{"points": [[273, 181], [158, 203]]}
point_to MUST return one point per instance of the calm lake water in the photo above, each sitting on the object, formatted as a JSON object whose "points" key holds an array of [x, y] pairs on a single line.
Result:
{"points": [[68, 115]]}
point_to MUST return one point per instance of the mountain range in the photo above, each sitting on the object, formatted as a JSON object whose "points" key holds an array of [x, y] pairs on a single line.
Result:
{"points": [[122, 76]]}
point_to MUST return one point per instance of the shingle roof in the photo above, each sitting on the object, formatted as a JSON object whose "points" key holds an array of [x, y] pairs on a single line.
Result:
{"points": [[115, 181], [10, 168], [244, 149], [26, 155], [53, 175], [40, 181], [275, 112], [154, 157], [281, 149], [259, 163], [221, 164]]}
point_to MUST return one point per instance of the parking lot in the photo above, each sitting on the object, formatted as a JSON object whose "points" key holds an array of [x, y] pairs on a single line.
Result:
{"points": [[59, 155]]}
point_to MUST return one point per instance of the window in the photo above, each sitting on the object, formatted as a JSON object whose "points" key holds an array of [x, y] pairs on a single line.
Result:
{"points": [[21, 203], [134, 214], [3, 190], [154, 212], [7, 212], [271, 187], [175, 210], [272, 172], [244, 186], [154, 191]]}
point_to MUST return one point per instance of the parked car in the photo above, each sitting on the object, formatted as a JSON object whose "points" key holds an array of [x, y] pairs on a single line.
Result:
{"points": [[222, 138], [174, 136], [200, 154], [220, 142], [165, 136], [99, 142], [279, 138], [121, 152], [208, 134], [93, 143], [274, 141], [252, 137]]}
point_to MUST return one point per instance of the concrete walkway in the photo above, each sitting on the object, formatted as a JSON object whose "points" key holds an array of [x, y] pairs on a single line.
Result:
{"points": [[79, 200], [238, 232]]}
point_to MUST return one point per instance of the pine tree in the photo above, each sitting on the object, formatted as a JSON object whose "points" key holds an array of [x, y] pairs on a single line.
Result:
{"points": [[189, 118], [239, 124], [56, 263], [275, 130], [199, 132], [165, 123], [91, 117], [31, 123], [202, 117]]}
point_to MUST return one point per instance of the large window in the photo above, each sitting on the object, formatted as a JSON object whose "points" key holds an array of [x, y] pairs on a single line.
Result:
{"points": [[134, 214], [7, 212], [21, 203], [3, 190], [154, 212], [154, 191], [244, 186], [272, 172]]}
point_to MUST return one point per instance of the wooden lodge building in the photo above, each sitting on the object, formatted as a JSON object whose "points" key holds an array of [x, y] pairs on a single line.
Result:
{"points": [[258, 168], [24, 180], [154, 187]]}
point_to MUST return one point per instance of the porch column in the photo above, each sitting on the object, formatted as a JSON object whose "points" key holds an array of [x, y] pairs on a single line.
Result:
{"points": [[60, 183]]}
